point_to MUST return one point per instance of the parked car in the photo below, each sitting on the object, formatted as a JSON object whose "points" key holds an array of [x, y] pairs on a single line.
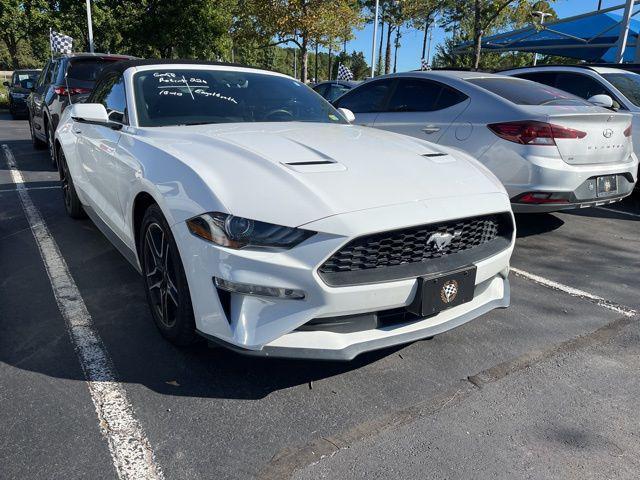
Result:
{"points": [[552, 150], [333, 89], [623, 87], [261, 219], [63, 80], [18, 89]]}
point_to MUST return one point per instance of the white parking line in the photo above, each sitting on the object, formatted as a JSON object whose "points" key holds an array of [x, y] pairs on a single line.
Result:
{"points": [[574, 292], [130, 450], [5, 190], [620, 212]]}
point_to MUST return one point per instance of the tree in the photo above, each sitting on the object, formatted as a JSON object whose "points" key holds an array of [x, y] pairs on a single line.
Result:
{"points": [[18, 19], [471, 21], [302, 22]]}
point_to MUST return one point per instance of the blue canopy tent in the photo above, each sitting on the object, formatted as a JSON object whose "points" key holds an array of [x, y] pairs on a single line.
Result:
{"points": [[608, 35]]}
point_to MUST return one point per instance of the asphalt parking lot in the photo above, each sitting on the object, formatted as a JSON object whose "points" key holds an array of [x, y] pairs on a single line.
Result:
{"points": [[547, 388]]}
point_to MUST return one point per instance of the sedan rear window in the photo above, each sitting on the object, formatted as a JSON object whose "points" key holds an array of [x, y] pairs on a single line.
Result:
{"points": [[87, 70], [525, 92]]}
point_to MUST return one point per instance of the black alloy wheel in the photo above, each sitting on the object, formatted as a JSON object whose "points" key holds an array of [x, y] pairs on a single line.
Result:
{"points": [[165, 281], [71, 201]]}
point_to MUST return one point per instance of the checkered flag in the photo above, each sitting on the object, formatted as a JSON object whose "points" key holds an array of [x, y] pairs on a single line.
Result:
{"points": [[344, 73], [424, 65], [60, 42]]}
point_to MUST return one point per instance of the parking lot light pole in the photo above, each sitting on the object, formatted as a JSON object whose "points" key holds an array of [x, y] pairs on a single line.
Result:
{"points": [[542, 16], [90, 25]]}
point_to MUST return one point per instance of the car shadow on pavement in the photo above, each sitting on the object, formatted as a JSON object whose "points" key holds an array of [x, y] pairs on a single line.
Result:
{"points": [[529, 224]]}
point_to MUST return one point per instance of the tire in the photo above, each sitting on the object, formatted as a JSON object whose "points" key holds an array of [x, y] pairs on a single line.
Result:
{"points": [[165, 282], [50, 144], [71, 201], [37, 143]]}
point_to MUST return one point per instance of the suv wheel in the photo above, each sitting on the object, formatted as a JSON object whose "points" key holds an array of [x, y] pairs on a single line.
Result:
{"points": [[51, 145], [37, 143]]}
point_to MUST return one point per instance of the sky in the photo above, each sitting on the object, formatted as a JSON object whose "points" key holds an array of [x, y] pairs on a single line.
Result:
{"points": [[411, 42]]}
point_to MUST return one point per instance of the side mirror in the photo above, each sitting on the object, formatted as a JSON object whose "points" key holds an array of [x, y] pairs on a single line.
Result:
{"points": [[347, 114], [6, 84], [601, 100], [90, 113]]}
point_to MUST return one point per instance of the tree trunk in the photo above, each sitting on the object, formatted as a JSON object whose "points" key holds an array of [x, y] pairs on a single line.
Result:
{"points": [[424, 38], [304, 51], [12, 48], [395, 53], [379, 68], [477, 34], [387, 56], [329, 73], [315, 73]]}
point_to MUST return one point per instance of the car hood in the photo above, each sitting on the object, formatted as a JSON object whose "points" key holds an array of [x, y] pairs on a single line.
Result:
{"points": [[294, 173]]}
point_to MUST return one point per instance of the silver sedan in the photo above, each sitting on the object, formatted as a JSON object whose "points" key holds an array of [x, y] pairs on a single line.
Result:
{"points": [[550, 149]]}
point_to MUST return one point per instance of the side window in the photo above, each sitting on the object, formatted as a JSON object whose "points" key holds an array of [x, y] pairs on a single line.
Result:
{"points": [[110, 93], [414, 95], [51, 74], [367, 98], [580, 85], [321, 89], [335, 91], [547, 78], [44, 74], [449, 97]]}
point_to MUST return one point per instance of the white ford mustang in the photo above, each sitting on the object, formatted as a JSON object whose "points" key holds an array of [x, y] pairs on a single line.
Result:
{"points": [[261, 219]]}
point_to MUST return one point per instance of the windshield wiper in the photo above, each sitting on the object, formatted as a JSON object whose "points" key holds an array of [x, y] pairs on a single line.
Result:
{"points": [[197, 123]]}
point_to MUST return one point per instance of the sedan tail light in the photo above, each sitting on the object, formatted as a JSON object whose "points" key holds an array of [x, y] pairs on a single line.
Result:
{"points": [[627, 131], [530, 132], [71, 90]]}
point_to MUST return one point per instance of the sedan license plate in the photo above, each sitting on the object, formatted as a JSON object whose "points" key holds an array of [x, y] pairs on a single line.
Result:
{"points": [[607, 185], [444, 291]]}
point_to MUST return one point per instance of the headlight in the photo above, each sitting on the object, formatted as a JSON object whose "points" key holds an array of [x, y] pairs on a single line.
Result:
{"points": [[237, 232]]}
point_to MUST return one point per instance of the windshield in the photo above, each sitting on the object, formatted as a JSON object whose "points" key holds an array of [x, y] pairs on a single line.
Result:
{"points": [[189, 97], [628, 83], [19, 77], [525, 92]]}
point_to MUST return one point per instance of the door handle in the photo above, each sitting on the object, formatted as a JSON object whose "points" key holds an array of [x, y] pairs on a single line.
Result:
{"points": [[431, 129]]}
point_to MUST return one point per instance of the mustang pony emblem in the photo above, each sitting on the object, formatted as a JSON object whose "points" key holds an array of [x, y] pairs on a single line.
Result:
{"points": [[442, 240]]}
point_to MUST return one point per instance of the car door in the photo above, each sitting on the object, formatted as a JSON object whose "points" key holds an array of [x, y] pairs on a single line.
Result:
{"points": [[98, 151], [421, 108], [367, 100], [37, 99]]}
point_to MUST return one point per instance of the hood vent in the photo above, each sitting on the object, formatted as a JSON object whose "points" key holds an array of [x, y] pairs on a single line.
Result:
{"points": [[313, 162]]}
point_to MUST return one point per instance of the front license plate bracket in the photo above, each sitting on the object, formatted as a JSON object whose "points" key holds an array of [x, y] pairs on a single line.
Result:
{"points": [[440, 292]]}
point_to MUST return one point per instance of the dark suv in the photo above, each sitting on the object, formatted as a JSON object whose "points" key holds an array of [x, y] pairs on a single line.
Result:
{"points": [[19, 88], [66, 79]]}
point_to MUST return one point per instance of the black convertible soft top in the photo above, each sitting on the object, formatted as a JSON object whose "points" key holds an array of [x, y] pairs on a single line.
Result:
{"points": [[120, 67]]}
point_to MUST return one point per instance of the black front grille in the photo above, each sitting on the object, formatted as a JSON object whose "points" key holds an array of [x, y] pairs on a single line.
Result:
{"points": [[411, 252]]}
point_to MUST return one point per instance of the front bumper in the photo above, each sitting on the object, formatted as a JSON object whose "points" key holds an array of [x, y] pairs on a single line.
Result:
{"points": [[269, 326], [18, 105]]}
